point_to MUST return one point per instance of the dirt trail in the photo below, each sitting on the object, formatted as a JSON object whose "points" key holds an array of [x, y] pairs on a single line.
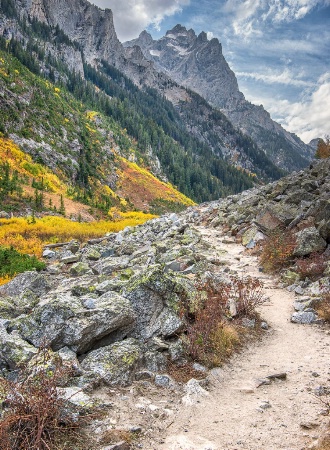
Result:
{"points": [[235, 413]]}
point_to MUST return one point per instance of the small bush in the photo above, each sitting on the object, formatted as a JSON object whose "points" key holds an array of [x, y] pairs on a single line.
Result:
{"points": [[12, 262], [35, 415], [248, 295], [211, 338], [277, 250], [311, 267]]}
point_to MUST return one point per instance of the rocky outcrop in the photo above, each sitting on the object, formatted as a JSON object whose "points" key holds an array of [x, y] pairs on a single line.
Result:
{"points": [[91, 27], [198, 63]]}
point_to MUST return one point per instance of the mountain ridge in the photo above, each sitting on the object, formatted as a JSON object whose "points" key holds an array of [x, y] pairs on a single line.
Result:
{"points": [[198, 63]]}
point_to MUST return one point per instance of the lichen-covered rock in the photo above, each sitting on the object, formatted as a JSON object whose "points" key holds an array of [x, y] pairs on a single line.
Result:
{"points": [[252, 236], [106, 266], [80, 268], [93, 254], [115, 364], [308, 241], [14, 351], [35, 282], [155, 297], [289, 277], [69, 321]]}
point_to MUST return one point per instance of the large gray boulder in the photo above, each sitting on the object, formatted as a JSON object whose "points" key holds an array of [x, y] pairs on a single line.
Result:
{"points": [[114, 364], [309, 241], [155, 297], [77, 322]]}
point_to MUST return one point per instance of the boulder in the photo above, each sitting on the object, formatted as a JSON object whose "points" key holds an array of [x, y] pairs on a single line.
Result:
{"points": [[68, 259], [308, 241], [80, 268], [155, 297], [14, 351], [303, 317], [35, 282], [268, 221], [115, 364], [252, 236], [70, 321], [106, 266], [93, 254], [47, 253]]}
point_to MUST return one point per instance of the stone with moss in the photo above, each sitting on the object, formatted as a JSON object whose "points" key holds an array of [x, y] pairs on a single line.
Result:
{"points": [[115, 364], [93, 254], [289, 277], [70, 321], [80, 268], [157, 297], [14, 351], [309, 241]]}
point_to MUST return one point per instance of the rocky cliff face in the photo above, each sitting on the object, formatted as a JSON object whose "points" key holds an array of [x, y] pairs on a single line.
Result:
{"points": [[198, 63], [83, 22]]}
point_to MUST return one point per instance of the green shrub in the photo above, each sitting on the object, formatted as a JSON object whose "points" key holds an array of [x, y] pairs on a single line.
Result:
{"points": [[13, 262]]}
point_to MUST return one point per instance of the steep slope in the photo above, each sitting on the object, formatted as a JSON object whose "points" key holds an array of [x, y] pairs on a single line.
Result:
{"points": [[69, 149], [198, 63], [220, 139], [160, 141]]}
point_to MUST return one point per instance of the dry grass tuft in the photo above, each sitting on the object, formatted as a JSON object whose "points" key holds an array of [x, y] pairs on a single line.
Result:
{"points": [[112, 436]]}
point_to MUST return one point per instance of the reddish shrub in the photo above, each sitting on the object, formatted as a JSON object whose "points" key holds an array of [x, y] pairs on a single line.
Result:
{"points": [[277, 250], [311, 267], [34, 416]]}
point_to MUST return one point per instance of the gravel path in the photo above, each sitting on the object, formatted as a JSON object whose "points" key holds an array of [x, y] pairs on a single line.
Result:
{"points": [[238, 415]]}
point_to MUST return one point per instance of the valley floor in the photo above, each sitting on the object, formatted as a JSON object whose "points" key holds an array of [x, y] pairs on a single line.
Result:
{"points": [[235, 414]]}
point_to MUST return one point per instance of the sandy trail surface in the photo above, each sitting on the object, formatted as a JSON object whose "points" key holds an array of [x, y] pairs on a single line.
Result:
{"points": [[238, 415]]}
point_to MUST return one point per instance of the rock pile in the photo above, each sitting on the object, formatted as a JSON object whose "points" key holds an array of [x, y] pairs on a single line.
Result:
{"points": [[111, 306], [299, 203]]}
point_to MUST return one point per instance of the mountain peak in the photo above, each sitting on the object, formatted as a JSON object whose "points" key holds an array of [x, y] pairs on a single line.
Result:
{"points": [[202, 37], [145, 37], [177, 30]]}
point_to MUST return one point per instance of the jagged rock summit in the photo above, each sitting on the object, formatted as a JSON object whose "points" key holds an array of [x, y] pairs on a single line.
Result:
{"points": [[193, 61], [82, 21], [198, 63]]}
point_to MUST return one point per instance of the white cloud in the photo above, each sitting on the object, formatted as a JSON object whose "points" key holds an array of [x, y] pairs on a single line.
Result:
{"points": [[249, 17], [284, 77], [133, 16], [309, 118]]}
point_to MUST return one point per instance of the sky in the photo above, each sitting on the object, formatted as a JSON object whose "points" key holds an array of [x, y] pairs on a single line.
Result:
{"points": [[278, 49]]}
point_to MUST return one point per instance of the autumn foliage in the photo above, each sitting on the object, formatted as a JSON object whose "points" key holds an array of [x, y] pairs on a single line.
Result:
{"points": [[277, 251], [30, 235], [212, 333], [323, 148]]}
